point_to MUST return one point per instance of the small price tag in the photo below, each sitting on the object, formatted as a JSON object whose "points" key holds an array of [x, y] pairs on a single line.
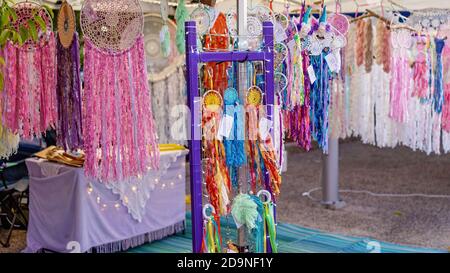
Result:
{"points": [[280, 33], [311, 74], [226, 125], [264, 127], [332, 62]]}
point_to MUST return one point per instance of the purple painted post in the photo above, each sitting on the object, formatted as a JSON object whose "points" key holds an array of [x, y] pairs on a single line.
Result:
{"points": [[195, 141], [193, 58], [269, 87]]}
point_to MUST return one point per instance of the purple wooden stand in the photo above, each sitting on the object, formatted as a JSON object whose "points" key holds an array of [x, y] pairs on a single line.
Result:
{"points": [[193, 58]]}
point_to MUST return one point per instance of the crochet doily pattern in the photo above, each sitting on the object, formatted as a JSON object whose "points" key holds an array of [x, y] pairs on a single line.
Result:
{"points": [[25, 11], [112, 25]]}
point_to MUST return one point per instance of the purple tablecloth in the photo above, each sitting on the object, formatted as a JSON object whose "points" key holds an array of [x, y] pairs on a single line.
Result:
{"points": [[64, 216]]}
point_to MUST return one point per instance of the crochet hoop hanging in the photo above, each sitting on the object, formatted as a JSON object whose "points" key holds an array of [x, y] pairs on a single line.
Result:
{"points": [[112, 25], [156, 62], [25, 11], [66, 24]]}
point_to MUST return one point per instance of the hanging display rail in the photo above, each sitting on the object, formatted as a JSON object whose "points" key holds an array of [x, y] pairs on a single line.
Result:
{"points": [[193, 58]]}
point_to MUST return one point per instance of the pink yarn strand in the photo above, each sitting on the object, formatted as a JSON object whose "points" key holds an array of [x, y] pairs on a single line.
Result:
{"points": [[118, 116]]}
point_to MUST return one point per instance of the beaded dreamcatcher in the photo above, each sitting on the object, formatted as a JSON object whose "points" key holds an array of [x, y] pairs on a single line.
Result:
{"points": [[118, 126], [29, 99], [68, 87]]}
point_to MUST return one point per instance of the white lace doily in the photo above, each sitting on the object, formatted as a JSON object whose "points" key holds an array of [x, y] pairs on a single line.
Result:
{"points": [[112, 25], [135, 193]]}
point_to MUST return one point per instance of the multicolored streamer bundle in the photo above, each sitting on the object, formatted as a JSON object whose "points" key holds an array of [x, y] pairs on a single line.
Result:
{"points": [[218, 183], [320, 100], [438, 95], [68, 91], [300, 116], [211, 242], [118, 126], [29, 97], [264, 233]]}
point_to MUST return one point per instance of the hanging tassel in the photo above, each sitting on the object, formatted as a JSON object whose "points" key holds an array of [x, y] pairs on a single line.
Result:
{"points": [[270, 228], [438, 97], [164, 36], [235, 144], [218, 181], [211, 242], [181, 14], [68, 90], [244, 211], [320, 98], [420, 71], [368, 47]]}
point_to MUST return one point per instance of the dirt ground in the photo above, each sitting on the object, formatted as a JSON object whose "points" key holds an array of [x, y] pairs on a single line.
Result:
{"points": [[417, 221]]}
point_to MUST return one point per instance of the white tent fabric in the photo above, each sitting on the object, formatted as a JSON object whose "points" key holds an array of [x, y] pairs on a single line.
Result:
{"points": [[347, 5]]}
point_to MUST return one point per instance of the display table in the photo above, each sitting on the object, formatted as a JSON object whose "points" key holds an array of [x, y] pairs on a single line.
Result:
{"points": [[70, 213]]}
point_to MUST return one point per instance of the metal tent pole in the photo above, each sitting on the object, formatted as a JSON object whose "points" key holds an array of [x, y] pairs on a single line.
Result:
{"points": [[242, 86], [330, 176]]}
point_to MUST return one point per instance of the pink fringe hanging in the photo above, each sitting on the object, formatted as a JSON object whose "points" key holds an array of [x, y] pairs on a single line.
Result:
{"points": [[29, 100], [119, 130], [401, 75], [446, 109]]}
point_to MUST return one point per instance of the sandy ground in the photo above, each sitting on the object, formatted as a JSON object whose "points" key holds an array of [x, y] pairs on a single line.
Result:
{"points": [[414, 221]]}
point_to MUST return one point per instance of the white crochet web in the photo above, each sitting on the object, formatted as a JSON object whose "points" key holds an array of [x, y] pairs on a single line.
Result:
{"points": [[112, 25]]}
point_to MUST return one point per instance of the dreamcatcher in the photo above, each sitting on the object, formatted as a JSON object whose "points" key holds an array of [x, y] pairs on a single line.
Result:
{"points": [[68, 87], [119, 131], [203, 20], [260, 149], [156, 61], [217, 179], [30, 74], [255, 18], [234, 142]]}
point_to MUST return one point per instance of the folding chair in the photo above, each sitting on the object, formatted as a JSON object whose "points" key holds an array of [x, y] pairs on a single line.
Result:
{"points": [[11, 212]]}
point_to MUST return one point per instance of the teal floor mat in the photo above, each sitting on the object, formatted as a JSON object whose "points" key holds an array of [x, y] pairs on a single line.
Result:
{"points": [[291, 239]]}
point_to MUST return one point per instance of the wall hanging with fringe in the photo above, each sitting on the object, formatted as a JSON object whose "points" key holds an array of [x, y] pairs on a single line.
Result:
{"points": [[68, 87], [118, 126], [29, 97]]}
